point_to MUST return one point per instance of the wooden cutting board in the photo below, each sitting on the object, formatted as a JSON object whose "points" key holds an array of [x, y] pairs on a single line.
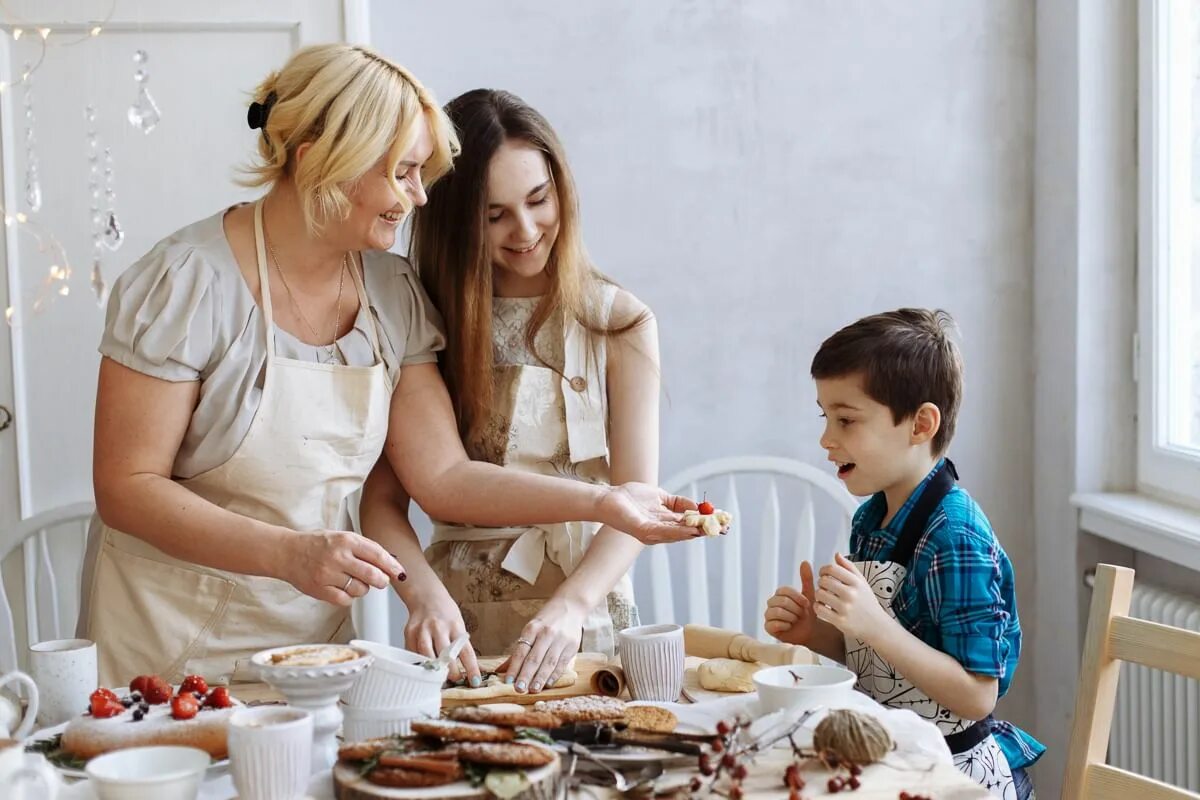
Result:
{"points": [[545, 784], [594, 675]]}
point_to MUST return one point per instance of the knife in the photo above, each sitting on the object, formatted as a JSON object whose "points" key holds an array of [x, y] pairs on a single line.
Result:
{"points": [[594, 733]]}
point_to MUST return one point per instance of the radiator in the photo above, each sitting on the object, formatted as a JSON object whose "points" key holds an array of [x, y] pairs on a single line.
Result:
{"points": [[1156, 727]]}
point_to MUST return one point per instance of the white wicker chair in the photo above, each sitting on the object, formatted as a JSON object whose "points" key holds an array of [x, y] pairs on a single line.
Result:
{"points": [[43, 539], [726, 580]]}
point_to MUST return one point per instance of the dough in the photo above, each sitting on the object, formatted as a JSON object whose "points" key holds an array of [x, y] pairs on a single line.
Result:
{"points": [[496, 689], [728, 675]]}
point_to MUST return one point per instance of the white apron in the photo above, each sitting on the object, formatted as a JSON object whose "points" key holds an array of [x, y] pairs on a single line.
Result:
{"points": [[546, 424], [975, 750], [318, 431]]}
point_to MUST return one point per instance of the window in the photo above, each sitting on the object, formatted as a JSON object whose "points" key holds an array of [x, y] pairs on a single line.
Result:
{"points": [[1169, 249]]}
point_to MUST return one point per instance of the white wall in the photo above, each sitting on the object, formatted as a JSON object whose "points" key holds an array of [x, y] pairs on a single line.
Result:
{"points": [[764, 172]]}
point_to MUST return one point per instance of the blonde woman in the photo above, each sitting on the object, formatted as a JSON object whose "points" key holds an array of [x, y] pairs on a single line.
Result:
{"points": [[553, 370], [252, 361]]}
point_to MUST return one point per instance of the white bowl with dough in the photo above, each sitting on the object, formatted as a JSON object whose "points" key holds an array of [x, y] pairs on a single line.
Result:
{"points": [[802, 686], [149, 773], [395, 679]]}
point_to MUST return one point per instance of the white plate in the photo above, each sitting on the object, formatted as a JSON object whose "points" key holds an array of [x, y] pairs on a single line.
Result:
{"points": [[70, 772]]}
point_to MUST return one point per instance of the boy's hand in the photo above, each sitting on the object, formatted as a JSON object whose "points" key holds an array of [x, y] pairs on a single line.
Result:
{"points": [[845, 600], [790, 615]]}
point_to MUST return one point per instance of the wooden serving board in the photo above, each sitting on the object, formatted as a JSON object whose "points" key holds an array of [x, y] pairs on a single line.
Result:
{"points": [[545, 784]]}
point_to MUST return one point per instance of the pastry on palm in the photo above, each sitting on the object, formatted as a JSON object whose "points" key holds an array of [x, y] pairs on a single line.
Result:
{"points": [[712, 521]]}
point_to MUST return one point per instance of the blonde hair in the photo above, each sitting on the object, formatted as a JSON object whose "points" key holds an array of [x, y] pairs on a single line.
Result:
{"points": [[449, 246], [352, 107]]}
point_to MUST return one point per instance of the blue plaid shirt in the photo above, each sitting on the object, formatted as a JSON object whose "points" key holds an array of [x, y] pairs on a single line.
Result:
{"points": [[959, 595]]}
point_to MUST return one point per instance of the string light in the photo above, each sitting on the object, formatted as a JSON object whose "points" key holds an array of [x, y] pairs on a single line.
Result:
{"points": [[59, 272]]}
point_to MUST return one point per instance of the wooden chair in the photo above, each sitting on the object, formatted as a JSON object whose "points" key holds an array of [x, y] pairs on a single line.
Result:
{"points": [[39, 537], [1113, 637], [737, 573]]}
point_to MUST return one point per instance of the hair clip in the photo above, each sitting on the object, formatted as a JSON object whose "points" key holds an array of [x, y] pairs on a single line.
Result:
{"points": [[256, 115]]}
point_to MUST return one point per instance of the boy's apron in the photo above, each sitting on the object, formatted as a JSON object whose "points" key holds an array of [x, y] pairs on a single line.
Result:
{"points": [[318, 431], [975, 749], [543, 423]]}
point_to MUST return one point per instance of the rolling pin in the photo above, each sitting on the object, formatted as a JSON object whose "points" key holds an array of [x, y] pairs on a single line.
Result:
{"points": [[706, 642]]}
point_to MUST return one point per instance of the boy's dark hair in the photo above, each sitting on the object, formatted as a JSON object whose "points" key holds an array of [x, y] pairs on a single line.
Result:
{"points": [[906, 357]]}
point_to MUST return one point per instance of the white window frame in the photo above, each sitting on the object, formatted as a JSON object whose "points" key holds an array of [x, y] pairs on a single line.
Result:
{"points": [[1164, 197]]}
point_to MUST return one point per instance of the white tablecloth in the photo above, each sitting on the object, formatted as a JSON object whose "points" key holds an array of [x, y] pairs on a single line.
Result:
{"points": [[920, 762]]}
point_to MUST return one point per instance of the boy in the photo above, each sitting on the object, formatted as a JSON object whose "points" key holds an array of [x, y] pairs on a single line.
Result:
{"points": [[924, 609]]}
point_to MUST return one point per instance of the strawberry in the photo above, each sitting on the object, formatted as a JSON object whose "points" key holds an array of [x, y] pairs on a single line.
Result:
{"points": [[193, 683], [138, 684], [156, 690], [218, 698], [184, 706], [102, 692], [705, 508], [104, 706]]}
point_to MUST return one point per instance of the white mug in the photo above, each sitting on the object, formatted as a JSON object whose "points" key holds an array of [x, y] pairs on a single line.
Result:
{"points": [[270, 752], [12, 724], [65, 672], [653, 659], [27, 776]]}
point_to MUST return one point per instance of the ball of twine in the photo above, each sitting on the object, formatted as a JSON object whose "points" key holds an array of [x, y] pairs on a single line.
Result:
{"points": [[852, 736]]}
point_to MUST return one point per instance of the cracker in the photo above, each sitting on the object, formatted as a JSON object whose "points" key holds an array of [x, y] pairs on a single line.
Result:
{"points": [[585, 708], [650, 718], [506, 717], [399, 777], [507, 755], [449, 730]]}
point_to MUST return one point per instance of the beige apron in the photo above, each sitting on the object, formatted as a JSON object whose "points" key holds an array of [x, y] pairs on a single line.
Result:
{"points": [[318, 431], [546, 424]]}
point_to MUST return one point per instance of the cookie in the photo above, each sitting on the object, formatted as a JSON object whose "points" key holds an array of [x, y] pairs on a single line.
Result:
{"points": [[506, 755], [650, 718], [369, 748], [586, 708], [499, 716], [449, 730], [398, 777]]}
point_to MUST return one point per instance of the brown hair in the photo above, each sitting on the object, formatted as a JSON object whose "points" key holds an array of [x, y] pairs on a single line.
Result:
{"points": [[450, 248], [906, 358]]}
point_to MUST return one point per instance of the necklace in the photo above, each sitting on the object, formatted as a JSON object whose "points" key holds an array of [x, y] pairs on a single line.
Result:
{"points": [[331, 356]]}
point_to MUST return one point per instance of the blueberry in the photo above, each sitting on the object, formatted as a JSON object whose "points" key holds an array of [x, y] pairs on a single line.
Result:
{"points": [[199, 696], [138, 714], [126, 701], [137, 697], [144, 707]]}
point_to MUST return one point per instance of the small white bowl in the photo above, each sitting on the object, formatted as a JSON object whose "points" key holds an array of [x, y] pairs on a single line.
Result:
{"points": [[149, 773], [360, 724], [394, 679], [802, 686]]}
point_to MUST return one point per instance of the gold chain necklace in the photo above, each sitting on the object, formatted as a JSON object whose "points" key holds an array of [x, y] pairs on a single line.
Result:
{"points": [[331, 348]]}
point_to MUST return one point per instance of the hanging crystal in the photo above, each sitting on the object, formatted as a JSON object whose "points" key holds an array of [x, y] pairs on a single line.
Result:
{"points": [[99, 287], [112, 233], [143, 114], [33, 186]]}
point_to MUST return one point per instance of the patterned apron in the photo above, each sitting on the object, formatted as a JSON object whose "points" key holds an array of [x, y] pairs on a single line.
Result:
{"points": [[971, 742], [546, 424], [318, 431]]}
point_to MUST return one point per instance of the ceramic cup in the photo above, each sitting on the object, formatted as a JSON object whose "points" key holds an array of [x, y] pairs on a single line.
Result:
{"points": [[652, 656], [65, 673], [12, 724], [270, 752]]}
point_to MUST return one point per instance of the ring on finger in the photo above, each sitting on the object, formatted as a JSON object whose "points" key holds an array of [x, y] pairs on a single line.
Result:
{"points": [[349, 580], [525, 642]]}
